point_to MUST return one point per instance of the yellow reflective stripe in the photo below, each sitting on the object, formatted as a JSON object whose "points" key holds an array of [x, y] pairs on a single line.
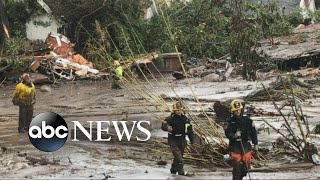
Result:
{"points": [[186, 128]]}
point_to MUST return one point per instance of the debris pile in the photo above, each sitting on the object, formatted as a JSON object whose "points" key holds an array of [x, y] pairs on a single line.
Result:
{"points": [[210, 70], [62, 62], [316, 130], [12, 160], [278, 90], [295, 131], [251, 110], [206, 155], [315, 81]]}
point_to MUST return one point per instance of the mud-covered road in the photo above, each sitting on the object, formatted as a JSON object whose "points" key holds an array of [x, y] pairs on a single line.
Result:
{"points": [[94, 100]]}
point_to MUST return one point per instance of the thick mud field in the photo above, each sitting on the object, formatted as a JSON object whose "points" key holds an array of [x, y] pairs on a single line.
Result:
{"points": [[94, 101]]}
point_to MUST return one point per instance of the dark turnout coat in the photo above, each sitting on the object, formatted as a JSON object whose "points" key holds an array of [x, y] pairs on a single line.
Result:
{"points": [[248, 133], [181, 127]]}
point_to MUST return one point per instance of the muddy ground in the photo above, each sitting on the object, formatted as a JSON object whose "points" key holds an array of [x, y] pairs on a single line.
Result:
{"points": [[94, 100]]}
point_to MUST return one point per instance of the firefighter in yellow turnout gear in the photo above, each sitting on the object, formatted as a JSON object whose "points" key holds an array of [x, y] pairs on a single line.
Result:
{"points": [[117, 75], [24, 97], [178, 126]]}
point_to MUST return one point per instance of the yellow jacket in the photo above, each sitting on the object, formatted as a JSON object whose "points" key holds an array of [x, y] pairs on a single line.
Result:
{"points": [[119, 72], [24, 94]]}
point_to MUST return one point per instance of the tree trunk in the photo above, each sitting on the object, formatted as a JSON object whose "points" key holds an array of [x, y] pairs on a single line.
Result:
{"points": [[4, 22]]}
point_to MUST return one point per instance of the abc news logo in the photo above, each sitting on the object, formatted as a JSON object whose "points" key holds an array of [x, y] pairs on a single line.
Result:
{"points": [[48, 131]]}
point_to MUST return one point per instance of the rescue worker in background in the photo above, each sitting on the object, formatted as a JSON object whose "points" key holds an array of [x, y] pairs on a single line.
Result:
{"points": [[240, 130], [24, 97], [117, 75], [178, 126]]}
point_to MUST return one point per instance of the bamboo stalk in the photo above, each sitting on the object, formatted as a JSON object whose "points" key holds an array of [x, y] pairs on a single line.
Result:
{"points": [[298, 118]]}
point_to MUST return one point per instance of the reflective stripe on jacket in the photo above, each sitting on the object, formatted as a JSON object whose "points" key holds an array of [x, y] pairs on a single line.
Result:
{"points": [[181, 127]]}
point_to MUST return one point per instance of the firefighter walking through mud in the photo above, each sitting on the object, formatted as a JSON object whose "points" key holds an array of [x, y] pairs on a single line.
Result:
{"points": [[240, 130], [178, 126], [24, 97]]}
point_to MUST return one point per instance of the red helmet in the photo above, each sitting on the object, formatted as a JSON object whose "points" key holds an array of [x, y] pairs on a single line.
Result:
{"points": [[25, 76]]}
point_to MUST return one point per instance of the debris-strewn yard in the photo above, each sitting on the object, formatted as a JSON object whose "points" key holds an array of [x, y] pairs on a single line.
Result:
{"points": [[283, 96], [94, 100]]}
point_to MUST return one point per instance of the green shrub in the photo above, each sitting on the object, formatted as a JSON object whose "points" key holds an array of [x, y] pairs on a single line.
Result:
{"points": [[281, 28], [15, 61], [316, 15], [303, 37], [159, 62], [14, 50], [295, 18], [15, 45]]}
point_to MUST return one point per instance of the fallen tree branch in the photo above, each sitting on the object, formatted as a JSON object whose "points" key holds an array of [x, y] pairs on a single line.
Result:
{"points": [[287, 125], [284, 136], [3, 81]]}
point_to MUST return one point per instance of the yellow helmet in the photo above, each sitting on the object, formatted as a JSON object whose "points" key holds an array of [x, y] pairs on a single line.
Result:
{"points": [[235, 105], [177, 106], [116, 63]]}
